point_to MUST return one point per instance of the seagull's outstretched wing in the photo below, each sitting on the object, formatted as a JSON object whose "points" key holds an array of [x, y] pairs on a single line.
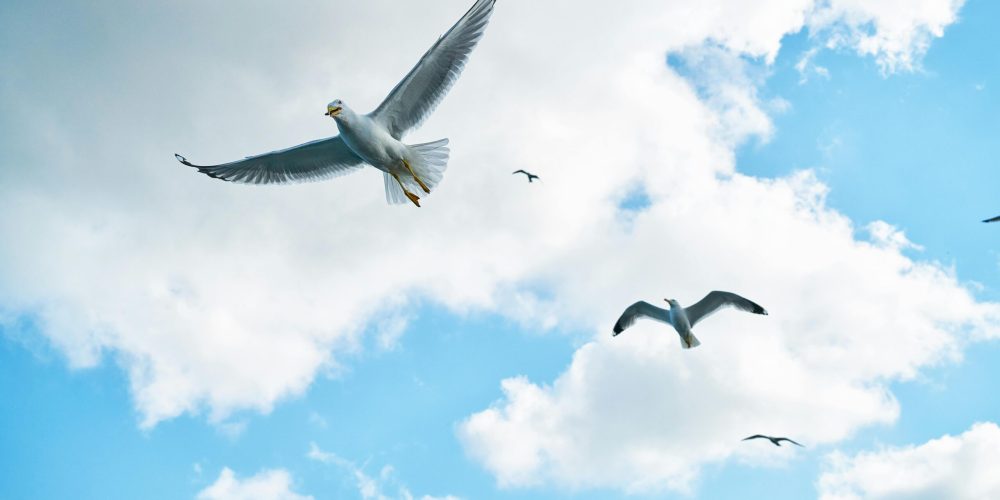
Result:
{"points": [[717, 300], [995, 219], [311, 161], [520, 172], [756, 436], [789, 440], [639, 310], [426, 84]]}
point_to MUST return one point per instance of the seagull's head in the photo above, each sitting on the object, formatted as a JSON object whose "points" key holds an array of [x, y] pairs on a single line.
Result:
{"points": [[335, 108], [672, 302]]}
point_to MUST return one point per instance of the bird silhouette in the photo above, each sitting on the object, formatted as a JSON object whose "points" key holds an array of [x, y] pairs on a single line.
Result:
{"points": [[531, 176], [995, 219], [775, 440]]}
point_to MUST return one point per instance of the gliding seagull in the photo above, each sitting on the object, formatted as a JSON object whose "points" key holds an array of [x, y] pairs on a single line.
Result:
{"points": [[531, 176], [682, 319], [375, 139], [775, 440]]}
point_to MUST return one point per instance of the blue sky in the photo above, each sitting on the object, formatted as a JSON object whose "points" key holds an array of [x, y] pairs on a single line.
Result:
{"points": [[913, 148]]}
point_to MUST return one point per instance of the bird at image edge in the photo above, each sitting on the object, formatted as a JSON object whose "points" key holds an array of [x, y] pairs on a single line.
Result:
{"points": [[375, 138]]}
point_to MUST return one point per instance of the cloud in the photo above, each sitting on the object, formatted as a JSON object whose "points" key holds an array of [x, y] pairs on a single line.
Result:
{"points": [[318, 420], [897, 33], [370, 488], [807, 66], [957, 467], [848, 316], [267, 485], [216, 298]]}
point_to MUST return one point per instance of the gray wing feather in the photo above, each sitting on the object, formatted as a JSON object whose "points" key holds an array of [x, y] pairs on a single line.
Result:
{"points": [[790, 441], [641, 309], [311, 161], [718, 300], [420, 91]]}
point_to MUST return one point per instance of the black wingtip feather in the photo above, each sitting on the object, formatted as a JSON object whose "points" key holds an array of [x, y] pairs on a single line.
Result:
{"points": [[757, 309], [204, 170]]}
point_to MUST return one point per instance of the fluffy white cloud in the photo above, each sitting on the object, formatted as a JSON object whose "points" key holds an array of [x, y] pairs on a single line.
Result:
{"points": [[219, 297], [896, 33], [847, 317], [956, 467], [267, 485]]}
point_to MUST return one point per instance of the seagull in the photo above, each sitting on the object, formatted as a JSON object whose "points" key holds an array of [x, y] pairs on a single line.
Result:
{"points": [[776, 440], [995, 219], [375, 138], [531, 176], [682, 318]]}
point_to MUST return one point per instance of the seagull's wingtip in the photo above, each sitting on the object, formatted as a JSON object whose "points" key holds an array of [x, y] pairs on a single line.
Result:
{"points": [[182, 160]]}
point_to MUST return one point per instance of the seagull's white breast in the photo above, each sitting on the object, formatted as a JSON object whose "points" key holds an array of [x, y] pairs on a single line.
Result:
{"points": [[372, 142], [678, 317]]}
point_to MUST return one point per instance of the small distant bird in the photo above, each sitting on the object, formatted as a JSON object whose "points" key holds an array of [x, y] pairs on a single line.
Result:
{"points": [[683, 319], [776, 440], [376, 138], [995, 219], [531, 176]]}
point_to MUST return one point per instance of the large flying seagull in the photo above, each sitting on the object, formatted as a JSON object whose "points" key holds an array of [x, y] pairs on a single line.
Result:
{"points": [[375, 138], [683, 319]]}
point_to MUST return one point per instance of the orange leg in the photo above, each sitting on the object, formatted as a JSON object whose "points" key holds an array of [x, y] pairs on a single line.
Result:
{"points": [[414, 198], [419, 181]]}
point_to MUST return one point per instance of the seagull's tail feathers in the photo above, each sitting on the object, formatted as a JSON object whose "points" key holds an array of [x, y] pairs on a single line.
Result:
{"points": [[429, 161], [393, 193], [691, 338]]}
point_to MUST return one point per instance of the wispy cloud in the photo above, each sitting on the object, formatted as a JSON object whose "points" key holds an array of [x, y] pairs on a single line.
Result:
{"points": [[807, 66], [370, 487], [317, 420]]}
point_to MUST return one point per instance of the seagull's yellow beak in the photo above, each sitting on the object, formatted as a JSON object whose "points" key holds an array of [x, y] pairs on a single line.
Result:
{"points": [[333, 111]]}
